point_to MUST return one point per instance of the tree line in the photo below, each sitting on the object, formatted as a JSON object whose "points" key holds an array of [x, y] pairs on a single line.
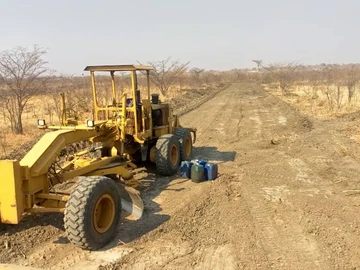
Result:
{"points": [[337, 82], [25, 74]]}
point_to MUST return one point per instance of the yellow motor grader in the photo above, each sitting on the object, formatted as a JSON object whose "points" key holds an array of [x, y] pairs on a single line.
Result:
{"points": [[133, 127]]}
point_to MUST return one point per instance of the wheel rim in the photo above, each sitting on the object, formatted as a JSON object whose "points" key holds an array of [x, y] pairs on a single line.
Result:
{"points": [[104, 213], [187, 146], [174, 155]]}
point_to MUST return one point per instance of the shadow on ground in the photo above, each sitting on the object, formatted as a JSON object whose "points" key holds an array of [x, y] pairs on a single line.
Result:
{"points": [[212, 153]]}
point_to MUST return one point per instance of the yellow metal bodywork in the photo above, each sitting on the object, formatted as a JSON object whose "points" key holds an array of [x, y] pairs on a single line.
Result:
{"points": [[44, 153], [11, 194]]}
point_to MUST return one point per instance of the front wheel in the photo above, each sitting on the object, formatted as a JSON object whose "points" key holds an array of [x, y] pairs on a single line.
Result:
{"points": [[92, 212]]}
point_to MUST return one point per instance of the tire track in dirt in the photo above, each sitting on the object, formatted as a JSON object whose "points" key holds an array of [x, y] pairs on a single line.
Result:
{"points": [[209, 112], [287, 246], [309, 154]]}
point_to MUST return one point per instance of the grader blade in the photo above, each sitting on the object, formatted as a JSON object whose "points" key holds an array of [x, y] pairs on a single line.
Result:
{"points": [[131, 202]]}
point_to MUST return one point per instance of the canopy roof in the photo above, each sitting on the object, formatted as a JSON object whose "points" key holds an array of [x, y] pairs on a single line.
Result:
{"points": [[118, 68]]}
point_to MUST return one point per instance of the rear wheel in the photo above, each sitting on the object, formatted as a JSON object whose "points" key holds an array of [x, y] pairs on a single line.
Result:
{"points": [[93, 212], [184, 137], [167, 155]]}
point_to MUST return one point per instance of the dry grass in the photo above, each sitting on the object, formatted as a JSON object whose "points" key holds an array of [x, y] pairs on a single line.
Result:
{"points": [[302, 97], [313, 101], [11, 142]]}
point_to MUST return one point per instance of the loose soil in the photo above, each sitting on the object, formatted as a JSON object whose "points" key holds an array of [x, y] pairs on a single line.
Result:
{"points": [[287, 197]]}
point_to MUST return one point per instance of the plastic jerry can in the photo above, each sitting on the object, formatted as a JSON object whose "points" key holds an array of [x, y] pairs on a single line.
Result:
{"points": [[211, 171], [197, 172], [202, 162], [185, 169]]}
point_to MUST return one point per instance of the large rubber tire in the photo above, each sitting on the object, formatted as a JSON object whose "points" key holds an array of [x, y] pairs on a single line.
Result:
{"points": [[167, 155], [186, 146], [92, 212]]}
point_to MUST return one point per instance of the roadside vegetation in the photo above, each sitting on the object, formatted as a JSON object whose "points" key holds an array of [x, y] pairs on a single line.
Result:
{"points": [[323, 91], [30, 89]]}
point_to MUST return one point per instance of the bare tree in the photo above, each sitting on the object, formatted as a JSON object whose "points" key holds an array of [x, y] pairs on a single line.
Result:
{"points": [[339, 81], [328, 91], [23, 75], [339, 95], [166, 73], [352, 77], [77, 95], [3, 144], [284, 74], [196, 75], [258, 63], [212, 78], [315, 81], [334, 80]]}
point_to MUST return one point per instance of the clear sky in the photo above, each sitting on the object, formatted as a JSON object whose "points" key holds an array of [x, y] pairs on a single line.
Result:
{"points": [[211, 34]]}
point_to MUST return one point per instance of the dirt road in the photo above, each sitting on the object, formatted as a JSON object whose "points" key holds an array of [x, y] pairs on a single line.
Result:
{"points": [[288, 197]]}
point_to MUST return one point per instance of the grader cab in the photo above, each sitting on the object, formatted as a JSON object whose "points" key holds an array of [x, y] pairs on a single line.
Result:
{"points": [[135, 127]]}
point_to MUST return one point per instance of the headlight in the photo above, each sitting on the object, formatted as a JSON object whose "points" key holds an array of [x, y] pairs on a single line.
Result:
{"points": [[41, 122], [90, 123]]}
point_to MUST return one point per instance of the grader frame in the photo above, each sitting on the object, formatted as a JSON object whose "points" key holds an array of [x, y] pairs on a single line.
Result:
{"points": [[121, 130]]}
